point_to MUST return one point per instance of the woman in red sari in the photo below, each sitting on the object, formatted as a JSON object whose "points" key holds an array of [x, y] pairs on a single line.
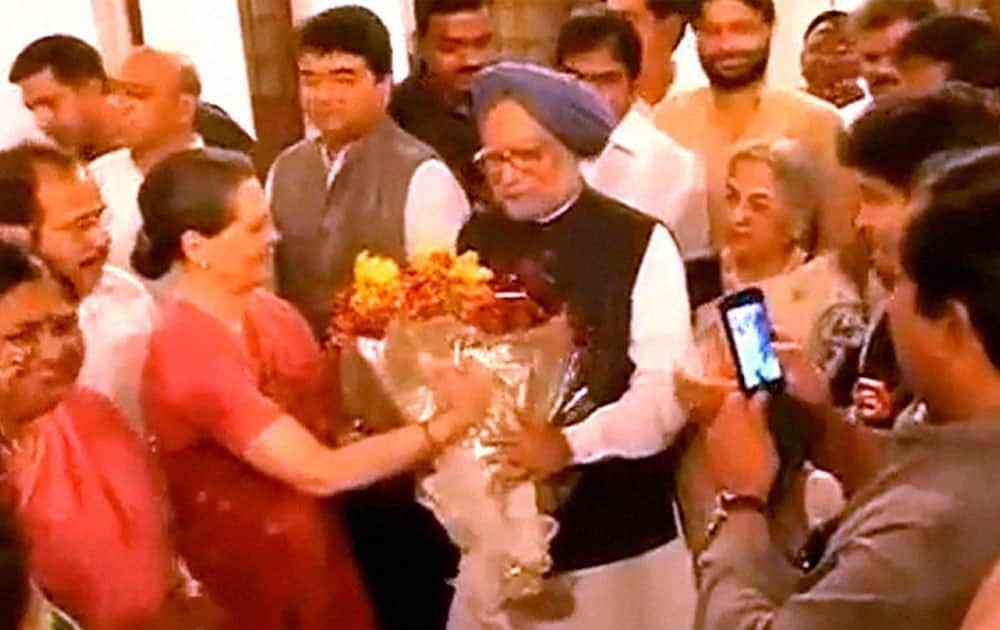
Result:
{"points": [[79, 481], [233, 391]]}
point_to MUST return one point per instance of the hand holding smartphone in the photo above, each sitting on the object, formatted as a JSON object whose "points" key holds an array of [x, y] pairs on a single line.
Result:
{"points": [[750, 334]]}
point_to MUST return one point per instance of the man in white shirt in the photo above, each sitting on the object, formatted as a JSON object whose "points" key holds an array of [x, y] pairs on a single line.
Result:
{"points": [[158, 94], [616, 554], [640, 166], [56, 207], [64, 86], [660, 25], [120, 127]]}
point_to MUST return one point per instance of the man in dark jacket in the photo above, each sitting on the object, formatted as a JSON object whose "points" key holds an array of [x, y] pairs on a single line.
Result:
{"points": [[455, 41], [620, 277]]}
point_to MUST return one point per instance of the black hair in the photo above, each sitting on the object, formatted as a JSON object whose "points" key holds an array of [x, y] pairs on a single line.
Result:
{"points": [[352, 29], [970, 46], [72, 60], [17, 265], [187, 74], [186, 191], [823, 18], [765, 8], [19, 181], [584, 33], [218, 129], [950, 249], [663, 9], [877, 14], [892, 139], [424, 10]]}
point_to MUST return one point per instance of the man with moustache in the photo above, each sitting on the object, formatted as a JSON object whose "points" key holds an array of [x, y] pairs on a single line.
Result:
{"points": [[734, 39], [878, 27], [51, 201], [829, 61], [617, 559], [454, 42]]}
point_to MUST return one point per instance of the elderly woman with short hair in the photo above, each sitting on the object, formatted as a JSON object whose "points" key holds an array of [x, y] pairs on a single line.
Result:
{"points": [[772, 201]]}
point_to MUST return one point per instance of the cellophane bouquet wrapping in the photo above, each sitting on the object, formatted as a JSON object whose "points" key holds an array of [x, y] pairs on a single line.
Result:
{"points": [[392, 328]]}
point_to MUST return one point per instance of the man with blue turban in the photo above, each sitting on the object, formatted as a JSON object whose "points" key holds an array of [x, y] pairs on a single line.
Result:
{"points": [[618, 561]]}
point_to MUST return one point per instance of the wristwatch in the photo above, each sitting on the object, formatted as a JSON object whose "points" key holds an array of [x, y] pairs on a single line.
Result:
{"points": [[727, 502]]}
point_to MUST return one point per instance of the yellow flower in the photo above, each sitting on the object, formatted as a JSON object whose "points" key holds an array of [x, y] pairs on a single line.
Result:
{"points": [[375, 273], [467, 270]]}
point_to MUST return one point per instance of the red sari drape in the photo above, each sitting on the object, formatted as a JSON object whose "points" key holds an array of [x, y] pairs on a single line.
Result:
{"points": [[272, 557], [91, 511]]}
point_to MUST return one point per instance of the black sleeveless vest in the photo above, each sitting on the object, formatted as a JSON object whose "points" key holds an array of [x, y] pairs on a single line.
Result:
{"points": [[589, 257]]}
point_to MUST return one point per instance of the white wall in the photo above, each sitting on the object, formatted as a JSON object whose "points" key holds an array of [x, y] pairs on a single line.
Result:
{"points": [[207, 31], [20, 24]]}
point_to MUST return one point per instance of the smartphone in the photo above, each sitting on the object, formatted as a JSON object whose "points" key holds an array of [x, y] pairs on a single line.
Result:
{"points": [[749, 330]]}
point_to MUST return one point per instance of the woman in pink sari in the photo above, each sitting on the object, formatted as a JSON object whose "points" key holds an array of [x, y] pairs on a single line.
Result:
{"points": [[79, 481], [234, 393]]}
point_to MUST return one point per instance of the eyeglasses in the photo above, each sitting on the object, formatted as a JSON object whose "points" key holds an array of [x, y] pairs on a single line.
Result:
{"points": [[492, 162]]}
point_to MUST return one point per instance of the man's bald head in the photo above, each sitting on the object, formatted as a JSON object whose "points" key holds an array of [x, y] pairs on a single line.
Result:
{"points": [[175, 68], [160, 92]]}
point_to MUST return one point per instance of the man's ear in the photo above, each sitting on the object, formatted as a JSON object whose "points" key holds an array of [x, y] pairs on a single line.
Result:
{"points": [[93, 87], [384, 89], [959, 331], [417, 51], [189, 103]]}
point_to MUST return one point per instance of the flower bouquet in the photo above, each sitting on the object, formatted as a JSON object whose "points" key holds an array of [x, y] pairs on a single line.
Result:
{"points": [[389, 327]]}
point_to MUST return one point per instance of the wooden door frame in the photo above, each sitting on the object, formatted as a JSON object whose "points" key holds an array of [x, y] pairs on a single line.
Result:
{"points": [[268, 46]]}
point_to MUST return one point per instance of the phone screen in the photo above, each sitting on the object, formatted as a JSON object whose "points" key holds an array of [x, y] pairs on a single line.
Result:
{"points": [[750, 333]]}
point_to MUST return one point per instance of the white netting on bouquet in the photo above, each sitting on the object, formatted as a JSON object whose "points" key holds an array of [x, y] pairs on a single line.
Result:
{"points": [[497, 524], [392, 329]]}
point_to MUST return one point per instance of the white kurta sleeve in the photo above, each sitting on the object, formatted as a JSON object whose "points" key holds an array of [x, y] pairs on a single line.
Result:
{"points": [[117, 319], [647, 418], [436, 209], [692, 226]]}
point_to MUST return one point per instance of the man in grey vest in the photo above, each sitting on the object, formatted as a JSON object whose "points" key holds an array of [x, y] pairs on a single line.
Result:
{"points": [[359, 183]]}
